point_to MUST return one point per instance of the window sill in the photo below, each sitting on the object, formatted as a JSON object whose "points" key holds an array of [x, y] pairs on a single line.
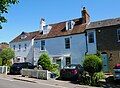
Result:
{"points": [[42, 50], [18, 50], [24, 50]]}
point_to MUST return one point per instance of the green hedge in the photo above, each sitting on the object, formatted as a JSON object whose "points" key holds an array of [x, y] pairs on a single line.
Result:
{"points": [[92, 64]]}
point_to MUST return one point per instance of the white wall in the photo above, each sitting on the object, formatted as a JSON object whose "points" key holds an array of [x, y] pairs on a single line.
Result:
{"points": [[92, 48], [56, 47], [22, 53]]}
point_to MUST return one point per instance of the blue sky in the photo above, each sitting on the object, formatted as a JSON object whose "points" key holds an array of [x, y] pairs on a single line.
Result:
{"points": [[26, 15]]}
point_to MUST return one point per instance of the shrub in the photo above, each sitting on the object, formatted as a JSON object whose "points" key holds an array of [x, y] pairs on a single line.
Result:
{"points": [[54, 67], [44, 61], [96, 77], [92, 64]]}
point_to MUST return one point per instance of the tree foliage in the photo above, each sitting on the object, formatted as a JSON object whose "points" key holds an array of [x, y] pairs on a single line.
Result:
{"points": [[4, 4], [92, 64], [44, 61], [4, 43], [0, 61], [6, 54]]}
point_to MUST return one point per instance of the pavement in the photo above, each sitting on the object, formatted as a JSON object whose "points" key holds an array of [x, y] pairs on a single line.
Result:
{"points": [[51, 81]]}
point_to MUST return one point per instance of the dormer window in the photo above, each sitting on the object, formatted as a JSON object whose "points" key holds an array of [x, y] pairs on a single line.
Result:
{"points": [[23, 36], [69, 25], [46, 29]]}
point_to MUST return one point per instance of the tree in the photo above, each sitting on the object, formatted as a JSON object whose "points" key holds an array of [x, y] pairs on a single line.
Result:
{"points": [[4, 4], [5, 43], [0, 61], [6, 54], [44, 61]]}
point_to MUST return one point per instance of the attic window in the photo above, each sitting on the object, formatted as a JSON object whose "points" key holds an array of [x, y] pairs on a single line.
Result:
{"points": [[46, 29], [23, 36], [69, 25]]}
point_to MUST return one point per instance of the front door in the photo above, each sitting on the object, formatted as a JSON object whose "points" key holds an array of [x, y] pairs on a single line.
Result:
{"points": [[105, 62], [58, 61]]}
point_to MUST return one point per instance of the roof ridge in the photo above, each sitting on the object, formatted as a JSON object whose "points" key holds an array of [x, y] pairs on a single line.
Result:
{"points": [[106, 19], [64, 21]]}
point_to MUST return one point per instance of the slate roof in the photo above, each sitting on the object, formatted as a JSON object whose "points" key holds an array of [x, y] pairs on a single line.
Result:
{"points": [[104, 23]]}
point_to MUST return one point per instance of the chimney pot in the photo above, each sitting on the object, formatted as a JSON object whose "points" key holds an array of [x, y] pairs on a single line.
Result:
{"points": [[42, 23]]}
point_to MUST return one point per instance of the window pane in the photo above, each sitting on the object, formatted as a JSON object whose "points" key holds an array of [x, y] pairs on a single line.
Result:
{"points": [[91, 37], [67, 43], [25, 46], [118, 32], [19, 47], [69, 25], [14, 47], [68, 60], [43, 45]]}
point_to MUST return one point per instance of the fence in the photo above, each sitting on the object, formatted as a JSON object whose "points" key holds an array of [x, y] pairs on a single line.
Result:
{"points": [[3, 69], [41, 74]]}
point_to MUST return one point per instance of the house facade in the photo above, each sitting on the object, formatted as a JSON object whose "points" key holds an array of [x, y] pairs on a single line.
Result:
{"points": [[68, 42], [65, 42], [108, 41]]}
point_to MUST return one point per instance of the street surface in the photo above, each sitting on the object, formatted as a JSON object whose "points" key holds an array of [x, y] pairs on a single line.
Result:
{"points": [[7, 83], [13, 81]]}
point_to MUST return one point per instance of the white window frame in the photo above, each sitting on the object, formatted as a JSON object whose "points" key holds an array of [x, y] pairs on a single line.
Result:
{"points": [[23, 36], [42, 45], [66, 60], [14, 47], [69, 25], [25, 46], [118, 35], [67, 44], [19, 47], [91, 37]]}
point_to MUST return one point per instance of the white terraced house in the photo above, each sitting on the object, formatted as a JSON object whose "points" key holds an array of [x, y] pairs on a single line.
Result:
{"points": [[65, 42]]}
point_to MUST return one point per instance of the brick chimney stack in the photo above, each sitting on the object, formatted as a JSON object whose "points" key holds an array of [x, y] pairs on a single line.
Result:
{"points": [[42, 23], [85, 16]]}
